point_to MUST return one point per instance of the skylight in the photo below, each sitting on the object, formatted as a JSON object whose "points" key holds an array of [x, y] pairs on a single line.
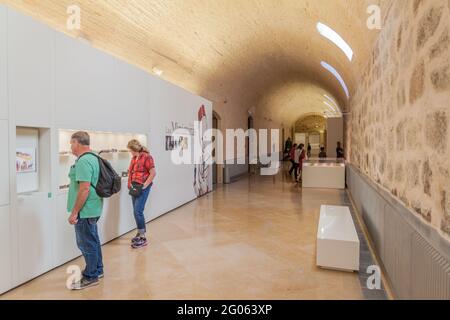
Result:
{"points": [[330, 100], [331, 107], [338, 77], [333, 103], [334, 37]]}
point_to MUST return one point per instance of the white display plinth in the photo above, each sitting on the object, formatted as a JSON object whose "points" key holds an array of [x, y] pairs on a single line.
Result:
{"points": [[323, 175], [337, 240]]}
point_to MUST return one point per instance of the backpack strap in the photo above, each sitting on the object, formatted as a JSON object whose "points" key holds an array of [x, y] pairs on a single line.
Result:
{"points": [[91, 153]]}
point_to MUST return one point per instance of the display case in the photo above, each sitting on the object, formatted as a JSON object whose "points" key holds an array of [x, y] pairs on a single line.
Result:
{"points": [[110, 146], [324, 173], [32, 164]]}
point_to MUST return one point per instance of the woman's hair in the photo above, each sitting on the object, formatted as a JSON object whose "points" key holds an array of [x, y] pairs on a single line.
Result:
{"points": [[136, 146]]}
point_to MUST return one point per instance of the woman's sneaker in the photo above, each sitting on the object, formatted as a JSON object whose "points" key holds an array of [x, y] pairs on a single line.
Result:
{"points": [[135, 239], [141, 242]]}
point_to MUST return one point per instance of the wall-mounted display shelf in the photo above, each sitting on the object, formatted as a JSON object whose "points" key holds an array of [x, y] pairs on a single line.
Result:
{"points": [[109, 145]]}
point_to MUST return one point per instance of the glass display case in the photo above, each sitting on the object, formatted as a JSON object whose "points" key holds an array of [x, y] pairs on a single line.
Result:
{"points": [[110, 146], [324, 173], [32, 163], [324, 162]]}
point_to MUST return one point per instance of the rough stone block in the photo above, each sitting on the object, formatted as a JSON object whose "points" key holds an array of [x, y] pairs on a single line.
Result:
{"points": [[428, 25], [427, 177], [436, 130], [440, 78], [417, 83], [441, 46]]}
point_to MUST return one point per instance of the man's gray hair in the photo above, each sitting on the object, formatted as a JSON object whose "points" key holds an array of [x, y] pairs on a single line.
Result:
{"points": [[82, 137]]}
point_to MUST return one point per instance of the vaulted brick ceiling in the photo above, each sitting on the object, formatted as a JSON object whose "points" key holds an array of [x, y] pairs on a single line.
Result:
{"points": [[263, 53]]}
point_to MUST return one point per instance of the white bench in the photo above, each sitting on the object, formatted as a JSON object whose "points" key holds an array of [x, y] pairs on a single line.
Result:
{"points": [[337, 240]]}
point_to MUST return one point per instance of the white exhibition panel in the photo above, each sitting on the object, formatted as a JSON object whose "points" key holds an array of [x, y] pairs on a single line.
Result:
{"points": [[4, 163], [117, 217], [3, 68], [35, 234], [65, 242], [174, 183], [30, 70], [95, 91], [337, 240], [126, 221], [335, 133], [5, 250], [300, 138], [322, 175]]}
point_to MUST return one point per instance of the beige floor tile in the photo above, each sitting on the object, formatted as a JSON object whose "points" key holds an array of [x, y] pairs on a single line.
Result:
{"points": [[253, 239]]}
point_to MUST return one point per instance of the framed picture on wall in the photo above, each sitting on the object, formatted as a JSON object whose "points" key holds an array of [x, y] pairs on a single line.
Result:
{"points": [[25, 160]]}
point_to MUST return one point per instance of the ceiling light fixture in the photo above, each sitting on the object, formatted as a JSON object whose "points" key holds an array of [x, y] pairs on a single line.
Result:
{"points": [[157, 71], [334, 37], [337, 76]]}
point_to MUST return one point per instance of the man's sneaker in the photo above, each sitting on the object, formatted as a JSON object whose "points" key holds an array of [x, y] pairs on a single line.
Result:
{"points": [[141, 242], [84, 283]]}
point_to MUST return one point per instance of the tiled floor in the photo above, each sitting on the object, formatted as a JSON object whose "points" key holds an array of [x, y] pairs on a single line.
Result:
{"points": [[253, 239]]}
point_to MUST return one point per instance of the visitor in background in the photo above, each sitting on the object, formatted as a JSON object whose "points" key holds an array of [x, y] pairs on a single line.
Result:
{"points": [[322, 153], [300, 156], [292, 158], [309, 150], [339, 151], [287, 148], [86, 208], [140, 181]]}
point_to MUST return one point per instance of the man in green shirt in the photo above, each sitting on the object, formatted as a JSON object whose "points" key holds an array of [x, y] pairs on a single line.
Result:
{"points": [[86, 208]]}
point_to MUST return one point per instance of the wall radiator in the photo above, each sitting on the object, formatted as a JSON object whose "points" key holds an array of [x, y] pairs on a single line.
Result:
{"points": [[415, 256]]}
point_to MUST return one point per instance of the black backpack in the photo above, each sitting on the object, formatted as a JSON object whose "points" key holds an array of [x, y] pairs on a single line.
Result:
{"points": [[109, 182]]}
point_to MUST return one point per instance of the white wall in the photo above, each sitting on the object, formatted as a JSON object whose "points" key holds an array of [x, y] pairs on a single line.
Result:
{"points": [[335, 133], [57, 82], [300, 138], [5, 221], [4, 163], [96, 91], [30, 70], [5, 250], [174, 184], [3, 75]]}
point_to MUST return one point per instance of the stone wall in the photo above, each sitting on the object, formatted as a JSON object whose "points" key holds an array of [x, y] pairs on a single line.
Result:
{"points": [[398, 132]]}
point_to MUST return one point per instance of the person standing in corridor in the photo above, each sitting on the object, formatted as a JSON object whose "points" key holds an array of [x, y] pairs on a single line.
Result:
{"points": [[339, 151], [300, 155], [287, 148], [86, 209], [292, 158], [140, 181]]}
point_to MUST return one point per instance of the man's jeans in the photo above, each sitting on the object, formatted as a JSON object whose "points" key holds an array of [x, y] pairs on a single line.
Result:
{"points": [[138, 209], [89, 244]]}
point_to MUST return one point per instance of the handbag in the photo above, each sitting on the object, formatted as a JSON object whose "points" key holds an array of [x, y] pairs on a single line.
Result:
{"points": [[136, 189]]}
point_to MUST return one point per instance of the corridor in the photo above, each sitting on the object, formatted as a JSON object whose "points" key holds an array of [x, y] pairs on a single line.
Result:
{"points": [[253, 239]]}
